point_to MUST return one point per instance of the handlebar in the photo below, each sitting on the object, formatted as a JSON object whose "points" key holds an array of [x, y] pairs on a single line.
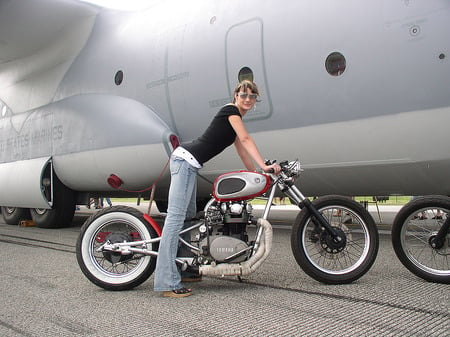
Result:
{"points": [[291, 169], [270, 162]]}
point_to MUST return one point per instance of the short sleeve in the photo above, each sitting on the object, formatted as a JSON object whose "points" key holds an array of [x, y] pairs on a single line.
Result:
{"points": [[230, 110]]}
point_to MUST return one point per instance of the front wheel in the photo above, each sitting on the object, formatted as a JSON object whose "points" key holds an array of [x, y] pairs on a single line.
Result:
{"points": [[114, 270], [333, 262], [414, 238]]}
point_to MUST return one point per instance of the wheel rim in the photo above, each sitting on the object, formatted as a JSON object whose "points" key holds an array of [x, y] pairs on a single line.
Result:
{"points": [[337, 261], [99, 265], [40, 211], [415, 240], [10, 210]]}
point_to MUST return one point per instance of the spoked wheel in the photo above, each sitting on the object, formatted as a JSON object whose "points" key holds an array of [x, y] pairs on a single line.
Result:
{"points": [[115, 270], [326, 260], [415, 240]]}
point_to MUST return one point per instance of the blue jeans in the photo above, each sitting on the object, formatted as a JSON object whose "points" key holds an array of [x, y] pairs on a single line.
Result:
{"points": [[182, 206]]}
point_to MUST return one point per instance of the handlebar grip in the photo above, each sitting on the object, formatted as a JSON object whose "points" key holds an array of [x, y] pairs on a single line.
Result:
{"points": [[270, 162]]}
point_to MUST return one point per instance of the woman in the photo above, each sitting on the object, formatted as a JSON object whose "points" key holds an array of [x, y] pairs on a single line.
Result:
{"points": [[225, 129]]}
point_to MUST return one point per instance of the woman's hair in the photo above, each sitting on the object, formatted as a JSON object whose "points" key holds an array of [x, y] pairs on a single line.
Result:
{"points": [[243, 86]]}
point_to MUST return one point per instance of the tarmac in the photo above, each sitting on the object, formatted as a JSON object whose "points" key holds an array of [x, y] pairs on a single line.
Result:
{"points": [[45, 294]]}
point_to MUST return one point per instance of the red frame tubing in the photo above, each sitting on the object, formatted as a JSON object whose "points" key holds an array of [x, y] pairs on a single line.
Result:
{"points": [[153, 223]]}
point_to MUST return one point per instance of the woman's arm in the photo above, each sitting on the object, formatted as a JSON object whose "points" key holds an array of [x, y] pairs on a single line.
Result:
{"points": [[246, 147], [243, 154]]}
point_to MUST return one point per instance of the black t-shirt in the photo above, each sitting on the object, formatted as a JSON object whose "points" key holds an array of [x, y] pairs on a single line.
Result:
{"points": [[217, 137]]}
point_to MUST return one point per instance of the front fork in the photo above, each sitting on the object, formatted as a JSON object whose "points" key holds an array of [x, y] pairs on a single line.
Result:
{"points": [[437, 241], [301, 201]]}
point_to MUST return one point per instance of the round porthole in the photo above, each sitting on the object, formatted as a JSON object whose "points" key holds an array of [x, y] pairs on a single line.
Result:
{"points": [[335, 64], [245, 74], [414, 30], [118, 78]]}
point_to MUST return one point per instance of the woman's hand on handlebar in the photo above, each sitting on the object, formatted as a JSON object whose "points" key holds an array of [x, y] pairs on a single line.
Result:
{"points": [[273, 168]]}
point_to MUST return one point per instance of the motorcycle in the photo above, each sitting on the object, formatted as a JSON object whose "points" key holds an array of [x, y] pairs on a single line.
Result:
{"points": [[334, 239], [421, 238]]}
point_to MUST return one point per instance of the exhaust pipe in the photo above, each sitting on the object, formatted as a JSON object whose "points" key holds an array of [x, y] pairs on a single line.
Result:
{"points": [[246, 267]]}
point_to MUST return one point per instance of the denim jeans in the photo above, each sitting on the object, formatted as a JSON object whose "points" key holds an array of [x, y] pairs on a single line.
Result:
{"points": [[182, 206]]}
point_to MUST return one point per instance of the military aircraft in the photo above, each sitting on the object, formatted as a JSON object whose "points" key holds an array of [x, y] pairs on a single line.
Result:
{"points": [[359, 91]]}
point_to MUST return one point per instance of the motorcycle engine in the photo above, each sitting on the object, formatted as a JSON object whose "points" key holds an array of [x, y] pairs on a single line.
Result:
{"points": [[225, 238], [223, 247]]}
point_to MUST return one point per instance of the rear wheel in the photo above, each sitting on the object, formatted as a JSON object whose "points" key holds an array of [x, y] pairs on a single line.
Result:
{"points": [[333, 262], [413, 238], [115, 270]]}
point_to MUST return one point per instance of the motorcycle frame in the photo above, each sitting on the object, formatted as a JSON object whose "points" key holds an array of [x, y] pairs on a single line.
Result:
{"points": [[283, 182], [128, 247]]}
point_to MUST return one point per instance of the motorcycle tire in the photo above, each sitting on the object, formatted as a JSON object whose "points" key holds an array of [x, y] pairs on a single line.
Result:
{"points": [[111, 270], [412, 231], [323, 259]]}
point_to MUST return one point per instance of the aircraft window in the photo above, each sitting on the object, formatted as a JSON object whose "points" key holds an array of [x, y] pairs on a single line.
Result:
{"points": [[119, 77], [414, 30], [442, 56], [335, 64], [245, 74]]}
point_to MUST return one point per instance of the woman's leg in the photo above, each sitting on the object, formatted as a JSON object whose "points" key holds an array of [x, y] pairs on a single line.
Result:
{"points": [[183, 184], [184, 251]]}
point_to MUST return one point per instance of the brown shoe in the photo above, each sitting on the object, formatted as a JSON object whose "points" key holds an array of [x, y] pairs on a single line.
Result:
{"points": [[182, 292]]}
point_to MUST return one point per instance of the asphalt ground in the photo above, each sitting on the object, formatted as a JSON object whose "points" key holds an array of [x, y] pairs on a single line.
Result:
{"points": [[44, 293]]}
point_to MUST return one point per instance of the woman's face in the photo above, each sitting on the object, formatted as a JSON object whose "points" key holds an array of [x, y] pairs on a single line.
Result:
{"points": [[245, 100]]}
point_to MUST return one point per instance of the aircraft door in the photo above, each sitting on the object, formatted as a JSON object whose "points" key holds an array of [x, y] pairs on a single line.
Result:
{"points": [[244, 52]]}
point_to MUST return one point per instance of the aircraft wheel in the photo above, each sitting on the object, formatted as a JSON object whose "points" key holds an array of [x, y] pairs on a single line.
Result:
{"points": [[13, 215], [61, 214], [162, 205]]}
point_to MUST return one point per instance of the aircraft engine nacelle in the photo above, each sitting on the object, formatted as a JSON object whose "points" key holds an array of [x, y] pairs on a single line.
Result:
{"points": [[82, 139], [25, 183]]}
